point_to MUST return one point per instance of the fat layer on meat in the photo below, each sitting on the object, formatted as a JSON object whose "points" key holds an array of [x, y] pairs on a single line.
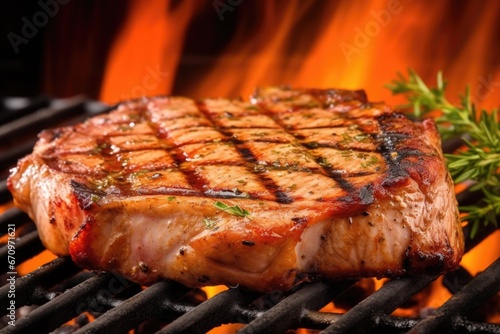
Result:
{"points": [[294, 185]]}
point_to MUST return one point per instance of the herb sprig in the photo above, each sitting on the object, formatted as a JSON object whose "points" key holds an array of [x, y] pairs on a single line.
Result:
{"points": [[235, 210], [480, 131]]}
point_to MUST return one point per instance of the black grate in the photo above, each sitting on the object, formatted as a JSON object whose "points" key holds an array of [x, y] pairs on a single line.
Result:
{"points": [[47, 298]]}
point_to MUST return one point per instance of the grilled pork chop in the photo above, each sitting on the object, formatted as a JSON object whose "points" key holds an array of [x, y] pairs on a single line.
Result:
{"points": [[294, 185]]}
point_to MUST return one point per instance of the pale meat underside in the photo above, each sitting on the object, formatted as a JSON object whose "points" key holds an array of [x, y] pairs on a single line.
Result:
{"points": [[326, 186]]}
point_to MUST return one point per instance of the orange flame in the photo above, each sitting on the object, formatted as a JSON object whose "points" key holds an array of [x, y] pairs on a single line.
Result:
{"points": [[308, 43], [144, 57]]}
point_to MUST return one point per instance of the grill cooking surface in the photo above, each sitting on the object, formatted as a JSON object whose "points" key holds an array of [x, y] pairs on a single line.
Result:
{"points": [[120, 305]]}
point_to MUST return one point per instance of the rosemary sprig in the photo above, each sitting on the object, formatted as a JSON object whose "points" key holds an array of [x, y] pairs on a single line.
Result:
{"points": [[235, 210], [480, 162]]}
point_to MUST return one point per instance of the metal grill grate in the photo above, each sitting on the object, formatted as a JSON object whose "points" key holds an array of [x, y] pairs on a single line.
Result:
{"points": [[60, 291]]}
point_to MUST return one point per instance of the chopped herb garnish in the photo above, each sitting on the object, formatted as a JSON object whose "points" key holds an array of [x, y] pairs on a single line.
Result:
{"points": [[323, 162], [259, 168], [346, 138], [235, 210], [371, 162], [171, 198], [102, 146], [210, 223], [346, 153], [361, 137], [95, 198]]}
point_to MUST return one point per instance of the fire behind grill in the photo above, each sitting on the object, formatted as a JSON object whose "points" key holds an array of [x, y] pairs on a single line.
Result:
{"points": [[47, 298]]}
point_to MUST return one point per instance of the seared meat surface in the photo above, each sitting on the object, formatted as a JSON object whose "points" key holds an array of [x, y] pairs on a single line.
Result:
{"points": [[293, 185]]}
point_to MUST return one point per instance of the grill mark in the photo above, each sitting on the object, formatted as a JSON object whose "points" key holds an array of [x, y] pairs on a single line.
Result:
{"points": [[387, 144], [338, 177], [176, 154], [200, 185], [84, 194], [246, 153], [328, 171]]}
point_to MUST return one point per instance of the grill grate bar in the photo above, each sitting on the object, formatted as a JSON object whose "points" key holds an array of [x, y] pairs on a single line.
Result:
{"points": [[5, 195], [42, 118], [395, 325], [11, 216], [131, 312], [385, 300], [16, 107], [61, 309], [215, 311], [468, 299], [58, 112], [10, 157], [287, 314]]}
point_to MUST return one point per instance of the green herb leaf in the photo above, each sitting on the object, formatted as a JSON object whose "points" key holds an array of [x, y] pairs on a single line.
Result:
{"points": [[235, 210], [210, 223]]}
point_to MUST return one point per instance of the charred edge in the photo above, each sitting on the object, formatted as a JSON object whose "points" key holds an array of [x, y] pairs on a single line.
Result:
{"points": [[386, 145], [282, 197], [366, 195], [300, 220], [84, 194], [432, 263]]}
